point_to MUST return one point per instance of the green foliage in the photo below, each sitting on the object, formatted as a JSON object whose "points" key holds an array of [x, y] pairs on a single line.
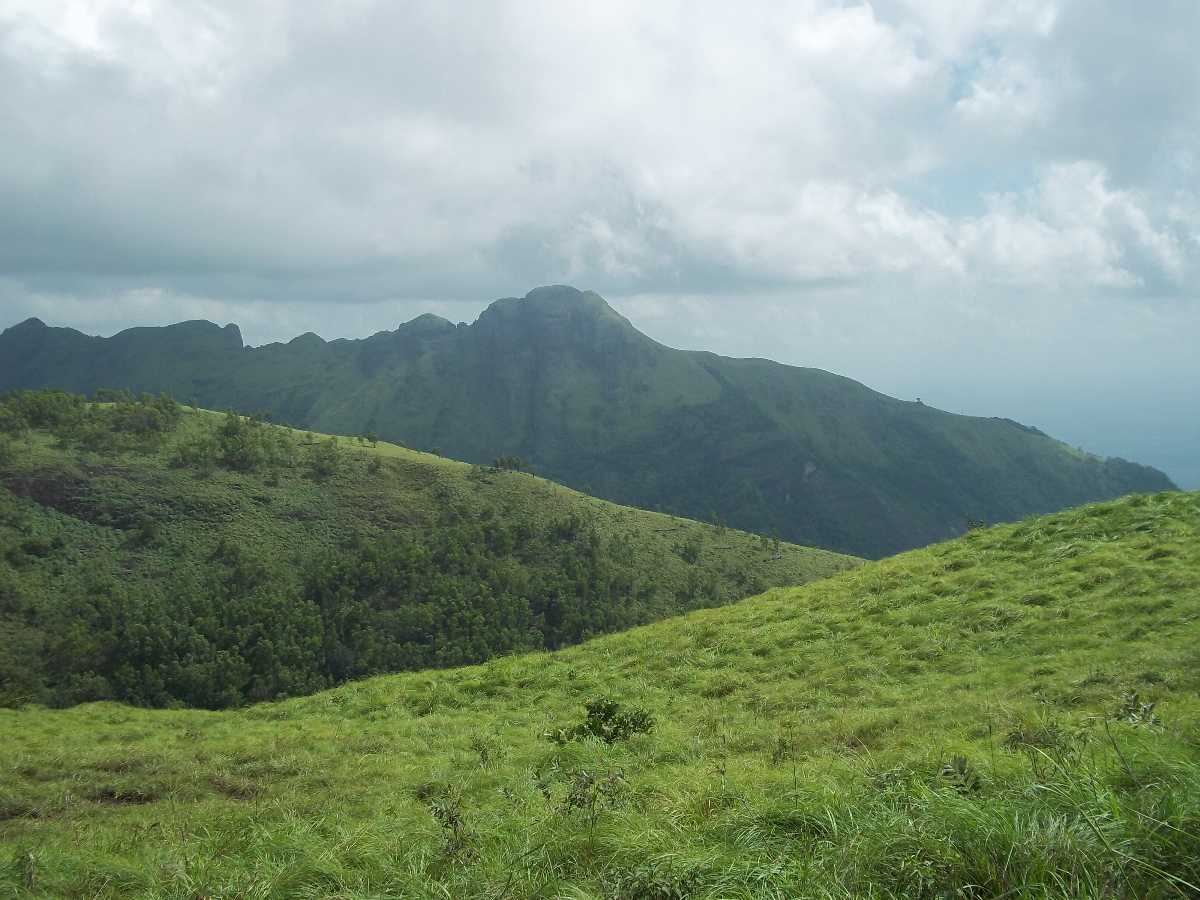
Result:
{"points": [[447, 812], [201, 452], [123, 422], [959, 775], [12, 420], [49, 409], [607, 720], [222, 569], [869, 739], [249, 444], [509, 464], [322, 459], [689, 550], [654, 882], [1136, 712]]}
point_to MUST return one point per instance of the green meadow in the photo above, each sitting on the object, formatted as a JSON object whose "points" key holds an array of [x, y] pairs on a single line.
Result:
{"points": [[1013, 713]]}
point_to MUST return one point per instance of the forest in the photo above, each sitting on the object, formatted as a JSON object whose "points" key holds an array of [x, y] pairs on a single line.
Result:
{"points": [[124, 575]]}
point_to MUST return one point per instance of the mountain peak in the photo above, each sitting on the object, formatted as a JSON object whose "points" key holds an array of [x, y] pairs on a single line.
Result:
{"points": [[565, 296], [426, 324], [557, 315], [308, 339], [33, 323], [556, 302], [195, 334]]}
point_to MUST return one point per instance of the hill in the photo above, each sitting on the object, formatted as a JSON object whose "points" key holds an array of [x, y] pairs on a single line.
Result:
{"points": [[1010, 714], [162, 556], [561, 379]]}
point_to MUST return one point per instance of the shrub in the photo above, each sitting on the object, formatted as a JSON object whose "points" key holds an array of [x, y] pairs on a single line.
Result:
{"points": [[607, 720], [510, 464], [689, 551], [12, 423], [322, 459], [447, 812], [653, 882], [201, 453]]}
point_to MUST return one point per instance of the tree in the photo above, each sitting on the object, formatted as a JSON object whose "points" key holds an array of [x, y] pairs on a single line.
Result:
{"points": [[323, 459], [510, 463], [12, 423]]}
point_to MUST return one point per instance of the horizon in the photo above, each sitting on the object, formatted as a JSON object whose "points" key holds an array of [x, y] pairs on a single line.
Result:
{"points": [[1180, 482]]}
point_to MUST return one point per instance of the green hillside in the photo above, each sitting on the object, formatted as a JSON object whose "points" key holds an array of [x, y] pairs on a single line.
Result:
{"points": [[559, 378], [1010, 714], [162, 556]]}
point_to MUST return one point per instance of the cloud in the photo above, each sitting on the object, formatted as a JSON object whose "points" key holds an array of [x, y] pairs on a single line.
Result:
{"points": [[429, 150], [1073, 230], [334, 166]]}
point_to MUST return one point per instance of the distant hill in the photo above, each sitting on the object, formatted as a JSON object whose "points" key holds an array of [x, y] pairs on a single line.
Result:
{"points": [[162, 557], [1011, 714], [562, 380]]}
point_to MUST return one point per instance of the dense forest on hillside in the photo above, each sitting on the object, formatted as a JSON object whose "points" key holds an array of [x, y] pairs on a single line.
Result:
{"points": [[161, 555]]}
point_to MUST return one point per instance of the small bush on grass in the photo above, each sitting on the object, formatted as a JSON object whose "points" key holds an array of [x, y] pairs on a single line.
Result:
{"points": [[607, 720]]}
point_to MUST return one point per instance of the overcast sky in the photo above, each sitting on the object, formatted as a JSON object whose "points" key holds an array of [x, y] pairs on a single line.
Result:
{"points": [[992, 205]]}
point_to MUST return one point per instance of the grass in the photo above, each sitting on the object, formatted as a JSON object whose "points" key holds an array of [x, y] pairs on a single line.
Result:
{"points": [[277, 511], [78, 526], [1010, 714]]}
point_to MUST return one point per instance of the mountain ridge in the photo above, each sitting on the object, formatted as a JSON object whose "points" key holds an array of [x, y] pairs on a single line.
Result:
{"points": [[563, 380]]}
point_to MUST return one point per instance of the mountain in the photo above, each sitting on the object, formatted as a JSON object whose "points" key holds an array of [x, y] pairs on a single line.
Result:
{"points": [[1010, 714], [561, 379], [163, 557]]}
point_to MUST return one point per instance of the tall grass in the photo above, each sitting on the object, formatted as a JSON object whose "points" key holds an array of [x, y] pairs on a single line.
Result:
{"points": [[1013, 714]]}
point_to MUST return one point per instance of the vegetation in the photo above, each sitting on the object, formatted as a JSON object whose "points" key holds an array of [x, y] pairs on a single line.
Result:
{"points": [[160, 557], [1010, 714], [560, 382]]}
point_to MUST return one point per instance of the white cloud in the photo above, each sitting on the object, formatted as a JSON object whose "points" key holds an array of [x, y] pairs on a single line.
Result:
{"points": [[1075, 231], [1005, 98], [334, 167]]}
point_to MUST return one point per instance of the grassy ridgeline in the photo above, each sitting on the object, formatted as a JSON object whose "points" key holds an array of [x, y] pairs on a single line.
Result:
{"points": [[162, 557], [1013, 713]]}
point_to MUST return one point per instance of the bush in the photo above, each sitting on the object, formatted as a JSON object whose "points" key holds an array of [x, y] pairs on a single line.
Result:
{"points": [[608, 720], [510, 464], [44, 409], [323, 459], [247, 445], [12, 423], [201, 453]]}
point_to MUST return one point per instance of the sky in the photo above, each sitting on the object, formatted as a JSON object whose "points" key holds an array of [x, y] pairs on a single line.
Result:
{"points": [[994, 206]]}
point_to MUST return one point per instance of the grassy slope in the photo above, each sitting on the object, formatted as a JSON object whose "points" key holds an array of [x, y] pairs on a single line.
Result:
{"points": [[800, 741], [86, 505], [411, 491]]}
